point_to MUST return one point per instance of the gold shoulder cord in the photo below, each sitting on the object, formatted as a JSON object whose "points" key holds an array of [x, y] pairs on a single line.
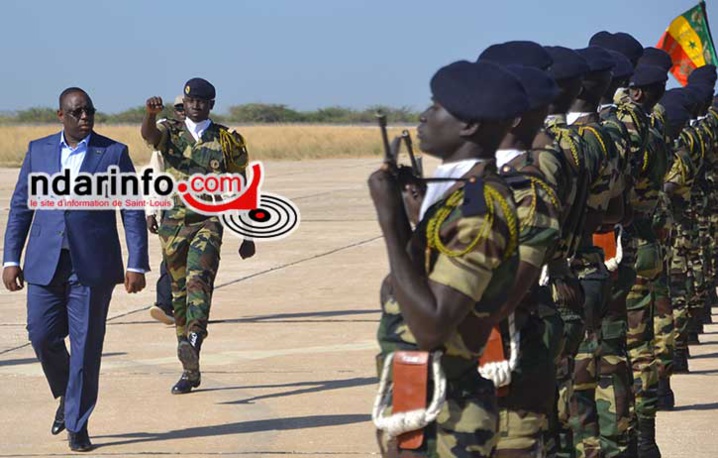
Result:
{"points": [[534, 201], [229, 143], [492, 197], [563, 133], [598, 137]]}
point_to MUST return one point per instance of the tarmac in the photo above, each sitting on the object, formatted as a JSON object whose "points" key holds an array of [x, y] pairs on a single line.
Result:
{"points": [[289, 365]]}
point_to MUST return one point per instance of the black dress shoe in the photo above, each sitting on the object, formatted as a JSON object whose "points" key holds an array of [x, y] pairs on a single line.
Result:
{"points": [[188, 380], [80, 441], [58, 425]]}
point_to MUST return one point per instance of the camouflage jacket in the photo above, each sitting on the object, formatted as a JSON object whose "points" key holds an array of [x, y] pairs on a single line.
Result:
{"points": [[473, 252]]}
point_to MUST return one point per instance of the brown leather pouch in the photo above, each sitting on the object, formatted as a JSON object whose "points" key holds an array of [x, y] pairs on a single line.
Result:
{"points": [[493, 353], [411, 381]]}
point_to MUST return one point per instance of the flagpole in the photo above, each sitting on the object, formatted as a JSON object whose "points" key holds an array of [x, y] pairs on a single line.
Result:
{"points": [[708, 27]]}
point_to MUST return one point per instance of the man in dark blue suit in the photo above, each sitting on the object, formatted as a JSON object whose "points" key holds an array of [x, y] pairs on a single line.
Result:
{"points": [[72, 263]]}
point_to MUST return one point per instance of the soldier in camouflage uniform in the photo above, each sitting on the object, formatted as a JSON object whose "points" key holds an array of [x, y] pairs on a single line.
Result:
{"points": [[527, 404], [602, 162], [646, 89], [191, 241], [453, 271], [677, 188], [569, 148], [533, 176], [614, 397]]}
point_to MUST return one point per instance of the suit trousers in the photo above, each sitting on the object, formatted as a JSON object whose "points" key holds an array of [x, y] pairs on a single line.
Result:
{"points": [[66, 307]]}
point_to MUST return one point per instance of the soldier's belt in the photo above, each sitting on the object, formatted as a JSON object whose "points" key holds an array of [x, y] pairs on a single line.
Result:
{"points": [[410, 414]]}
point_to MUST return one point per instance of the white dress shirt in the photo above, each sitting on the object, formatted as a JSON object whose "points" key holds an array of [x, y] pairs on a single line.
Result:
{"points": [[197, 128], [436, 190]]}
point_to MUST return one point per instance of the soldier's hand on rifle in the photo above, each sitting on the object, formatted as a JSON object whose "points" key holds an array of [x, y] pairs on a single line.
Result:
{"points": [[154, 105], [386, 194]]}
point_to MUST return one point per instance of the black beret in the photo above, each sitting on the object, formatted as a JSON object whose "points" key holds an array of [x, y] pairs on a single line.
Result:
{"points": [[678, 96], [704, 75], [567, 63], [655, 56], [541, 88], [623, 68], [199, 88], [621, 42], [645, 75], [702, 91], [677, 115], [526, 53], [480, 91], [598, 59]]}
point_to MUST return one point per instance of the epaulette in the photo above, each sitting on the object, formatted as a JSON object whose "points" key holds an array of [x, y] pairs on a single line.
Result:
{"points": [[514, 178], [474, 199]]}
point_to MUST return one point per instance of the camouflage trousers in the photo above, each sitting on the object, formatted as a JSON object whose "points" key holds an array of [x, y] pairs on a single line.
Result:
{"points": [[190, 248], [524, 411], [663, 324], [681, 282], [466, 425], [640, 304], [614, 395], [698, 236], [595, 281]]}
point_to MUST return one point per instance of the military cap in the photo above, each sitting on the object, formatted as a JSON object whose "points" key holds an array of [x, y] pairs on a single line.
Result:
{"points": [[620, 41], [646, 75], [480, 91], [623, 68], [526, 53], [179, 100], [598, 59], [703, 75], [655, 56], [567, 63], [541, 88], [715, 101], [199, 88]]}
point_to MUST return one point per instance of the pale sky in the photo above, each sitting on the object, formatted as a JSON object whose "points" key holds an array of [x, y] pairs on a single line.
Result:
{"points": [[306, 54]]}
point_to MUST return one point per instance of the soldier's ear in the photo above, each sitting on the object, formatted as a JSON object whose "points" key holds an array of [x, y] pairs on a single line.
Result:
{"points": [[636, 94], [211, 104], [470, 129]]}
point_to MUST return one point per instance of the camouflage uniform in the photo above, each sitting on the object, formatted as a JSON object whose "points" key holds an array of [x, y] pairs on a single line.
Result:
{"points": [[476, 255], [650, 169], [689, 162], [524, 411], [190, 241], [681, 175], [570, 147], [603, 167], [613, 393]]}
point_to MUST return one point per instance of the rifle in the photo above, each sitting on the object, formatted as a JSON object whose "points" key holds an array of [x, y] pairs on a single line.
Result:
{"points": [[405, 174]]}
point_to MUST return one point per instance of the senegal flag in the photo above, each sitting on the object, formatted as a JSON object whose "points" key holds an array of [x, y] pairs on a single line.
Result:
{"points": [[689, 43]]}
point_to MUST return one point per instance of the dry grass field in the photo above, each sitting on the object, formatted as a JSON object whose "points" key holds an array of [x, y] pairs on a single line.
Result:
{"points": [[278, 142]]}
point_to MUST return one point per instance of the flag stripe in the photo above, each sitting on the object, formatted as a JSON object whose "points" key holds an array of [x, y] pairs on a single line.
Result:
{"points": [[685, 35], [682, 64]]}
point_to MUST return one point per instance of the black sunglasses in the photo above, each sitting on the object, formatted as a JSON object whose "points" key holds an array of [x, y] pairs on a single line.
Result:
{"points": [[77, 112]]}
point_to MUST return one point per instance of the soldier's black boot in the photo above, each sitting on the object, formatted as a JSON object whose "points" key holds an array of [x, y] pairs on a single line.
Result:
{"points": [[188, 380], [680, 361], [188, 353], [666, 399], [647, 447]]}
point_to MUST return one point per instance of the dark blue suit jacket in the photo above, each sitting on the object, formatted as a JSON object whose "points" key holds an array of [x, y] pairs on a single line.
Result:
{"points": [[92, 234]]}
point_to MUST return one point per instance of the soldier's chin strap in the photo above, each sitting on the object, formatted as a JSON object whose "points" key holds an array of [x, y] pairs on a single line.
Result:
{"points": [[404, 422], [499, 372]]}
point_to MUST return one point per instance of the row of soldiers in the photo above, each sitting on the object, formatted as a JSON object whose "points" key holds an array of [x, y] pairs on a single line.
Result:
{"points": [[546, 282]]}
